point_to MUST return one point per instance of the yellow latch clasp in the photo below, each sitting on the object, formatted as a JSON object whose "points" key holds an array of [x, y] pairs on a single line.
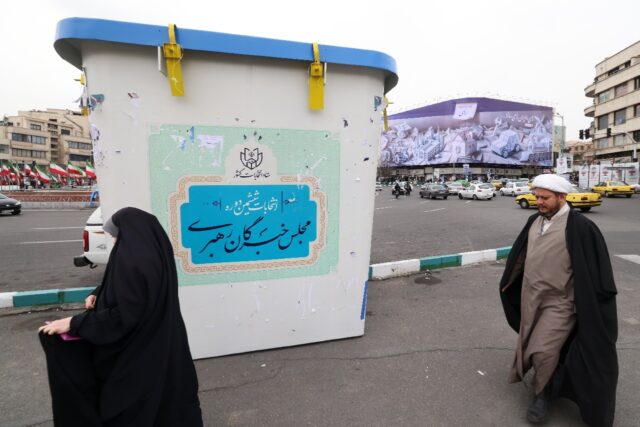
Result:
{"points": [[385, 115], [173, 55], [84, 98], [316, 81]]}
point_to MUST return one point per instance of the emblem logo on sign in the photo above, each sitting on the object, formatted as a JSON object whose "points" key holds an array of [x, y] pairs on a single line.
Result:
{"points": [[251, 158]]}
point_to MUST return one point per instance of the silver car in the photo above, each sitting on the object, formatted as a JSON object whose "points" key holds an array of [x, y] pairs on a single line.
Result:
{"points": [[454, 188]]}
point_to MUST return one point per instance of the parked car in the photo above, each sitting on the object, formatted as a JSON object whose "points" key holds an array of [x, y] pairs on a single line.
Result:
{"points": [[613, 188], [476, 191], [378, 186], [433, 191], [515, 188], [9, 204], [577, 199], [95, 247]]}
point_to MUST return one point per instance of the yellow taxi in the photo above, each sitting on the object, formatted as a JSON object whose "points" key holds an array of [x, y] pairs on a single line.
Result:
{"points": [[613, 188], [497, 184], [576, 199]]}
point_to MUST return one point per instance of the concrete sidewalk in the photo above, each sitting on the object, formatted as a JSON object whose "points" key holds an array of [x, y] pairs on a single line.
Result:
{"points": [[436, 352]]}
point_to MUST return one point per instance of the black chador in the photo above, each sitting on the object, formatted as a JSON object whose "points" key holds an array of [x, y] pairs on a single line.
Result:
{"points": [[133, 366]]}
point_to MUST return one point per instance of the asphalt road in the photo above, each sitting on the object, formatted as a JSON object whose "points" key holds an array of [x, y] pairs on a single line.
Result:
{"points": [[411, 227], [38, 246], [37, 249]]}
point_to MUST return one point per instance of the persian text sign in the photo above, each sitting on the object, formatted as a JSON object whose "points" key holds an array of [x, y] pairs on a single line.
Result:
{"points": [[247, 227], [266, 222]]}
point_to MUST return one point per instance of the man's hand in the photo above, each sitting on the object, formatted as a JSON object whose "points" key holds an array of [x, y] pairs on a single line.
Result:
{"points": [[59, 326], [90, 302]]}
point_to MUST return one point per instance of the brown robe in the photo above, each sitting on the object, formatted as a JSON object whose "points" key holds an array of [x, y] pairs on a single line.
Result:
{"points": [[547, 302]]}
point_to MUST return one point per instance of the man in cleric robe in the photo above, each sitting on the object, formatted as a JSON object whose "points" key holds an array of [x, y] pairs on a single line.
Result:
{"points": [[559, 294]]}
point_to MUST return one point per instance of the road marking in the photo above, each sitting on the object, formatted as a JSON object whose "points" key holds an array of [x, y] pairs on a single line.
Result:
{"points": [[385, 207], [468, 201], [53, 210], [55, 228], [632, 258], [50, 241], [433, 210]]}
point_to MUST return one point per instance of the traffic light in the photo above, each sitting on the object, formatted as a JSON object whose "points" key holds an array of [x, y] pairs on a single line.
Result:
{"points": [[581, 134], [608, 132], [587, 133]]}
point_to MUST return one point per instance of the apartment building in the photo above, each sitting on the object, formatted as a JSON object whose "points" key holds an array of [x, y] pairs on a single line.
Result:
{"points": [[615, 129], [580, 151], [37, 136]]}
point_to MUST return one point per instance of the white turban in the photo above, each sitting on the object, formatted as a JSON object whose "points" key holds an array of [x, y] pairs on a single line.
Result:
{"points": [[552, 182]]}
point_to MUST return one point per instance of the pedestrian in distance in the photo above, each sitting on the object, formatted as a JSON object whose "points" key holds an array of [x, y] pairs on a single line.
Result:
{"points": [[397, 189], [558, 293], [408, 188], [125, 360]]}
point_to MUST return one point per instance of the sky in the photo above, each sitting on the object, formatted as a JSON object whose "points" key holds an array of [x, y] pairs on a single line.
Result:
{"points": [[542, 52]]}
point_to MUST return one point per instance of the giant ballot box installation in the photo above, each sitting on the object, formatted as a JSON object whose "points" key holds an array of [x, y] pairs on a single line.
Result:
{"points": [[259, 158]]}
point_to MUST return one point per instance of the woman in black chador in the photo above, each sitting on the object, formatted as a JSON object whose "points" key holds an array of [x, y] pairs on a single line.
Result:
{"points": [[132, 365]]}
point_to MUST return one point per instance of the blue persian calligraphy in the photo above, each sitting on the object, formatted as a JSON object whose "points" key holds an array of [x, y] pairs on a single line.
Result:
{"points": [[235, 223]]}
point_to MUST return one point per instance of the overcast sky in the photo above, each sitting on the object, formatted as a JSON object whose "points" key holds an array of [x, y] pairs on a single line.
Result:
{"points": [[542, 52]]}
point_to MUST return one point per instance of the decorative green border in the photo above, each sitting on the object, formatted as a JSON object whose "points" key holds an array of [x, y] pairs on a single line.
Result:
{"points": [[175, 152]]}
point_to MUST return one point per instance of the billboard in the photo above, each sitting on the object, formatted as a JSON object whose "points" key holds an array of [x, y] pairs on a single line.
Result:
{"points": [[564, 163], [591, 175], [470, 131]]}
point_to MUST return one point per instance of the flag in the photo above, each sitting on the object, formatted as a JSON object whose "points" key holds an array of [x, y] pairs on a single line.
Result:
{"points": [[15, 172], [57, 170], [2, 173], [4, 169], [42, 177], [90, 171], [73, 169], [5, 173], [15, 169], [28, 171]]}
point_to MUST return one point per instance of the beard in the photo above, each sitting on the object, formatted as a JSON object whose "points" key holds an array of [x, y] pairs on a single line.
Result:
{"points": [[550, 214]]}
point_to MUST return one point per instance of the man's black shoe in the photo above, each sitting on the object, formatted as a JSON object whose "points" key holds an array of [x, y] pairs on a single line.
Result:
{"points": [[537, 412]]}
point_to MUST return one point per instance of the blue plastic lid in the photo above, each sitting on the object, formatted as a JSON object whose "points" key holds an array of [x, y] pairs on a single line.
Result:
{"points": [[71, 29]]}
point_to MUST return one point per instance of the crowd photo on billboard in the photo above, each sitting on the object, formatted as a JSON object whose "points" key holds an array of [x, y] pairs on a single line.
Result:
{"points": [[470, 131]]}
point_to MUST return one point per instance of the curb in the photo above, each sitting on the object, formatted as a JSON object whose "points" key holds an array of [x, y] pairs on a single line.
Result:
{"points": [[58, 205], [381, 271], [387, 270], [43, 297]]}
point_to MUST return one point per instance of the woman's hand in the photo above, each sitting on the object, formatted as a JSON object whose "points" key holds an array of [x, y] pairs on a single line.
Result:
{"points": [[59, 326], [90, 302]]}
